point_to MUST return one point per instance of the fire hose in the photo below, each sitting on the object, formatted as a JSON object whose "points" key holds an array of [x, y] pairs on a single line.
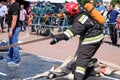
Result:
{"points": [[23, 43]]}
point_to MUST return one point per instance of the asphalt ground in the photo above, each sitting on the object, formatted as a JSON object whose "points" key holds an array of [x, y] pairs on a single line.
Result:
{"points": [[32, 65], [62, 50], [40, 56], [29, 66]]}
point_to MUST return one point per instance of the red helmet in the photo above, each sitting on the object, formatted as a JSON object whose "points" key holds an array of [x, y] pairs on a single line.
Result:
{"points": [[72, 8]]}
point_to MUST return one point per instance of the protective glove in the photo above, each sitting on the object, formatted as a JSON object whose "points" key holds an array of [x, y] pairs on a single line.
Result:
{"points": [[58, 38]]}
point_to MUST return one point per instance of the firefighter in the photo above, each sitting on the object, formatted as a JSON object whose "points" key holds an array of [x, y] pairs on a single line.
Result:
{"points": [[51, 8], [90, 39], [36, 14]]}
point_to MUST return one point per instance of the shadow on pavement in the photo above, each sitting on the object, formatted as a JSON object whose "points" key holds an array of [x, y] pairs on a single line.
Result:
{"points": [[110, 43]]}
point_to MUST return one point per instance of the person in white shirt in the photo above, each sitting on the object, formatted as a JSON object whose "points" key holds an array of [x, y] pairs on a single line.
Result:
{"points": [[2, 15], [6, 12], [23, 14]]}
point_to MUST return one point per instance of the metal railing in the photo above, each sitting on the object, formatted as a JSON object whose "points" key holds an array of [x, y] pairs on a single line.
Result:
{"points": [[50, 21]]}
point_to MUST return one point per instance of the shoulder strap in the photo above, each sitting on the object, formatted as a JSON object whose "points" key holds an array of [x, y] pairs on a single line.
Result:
{"points": [[89, 12]]}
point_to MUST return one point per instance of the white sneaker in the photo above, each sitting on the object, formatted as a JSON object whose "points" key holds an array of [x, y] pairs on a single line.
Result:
{"points": [[12, 64]]}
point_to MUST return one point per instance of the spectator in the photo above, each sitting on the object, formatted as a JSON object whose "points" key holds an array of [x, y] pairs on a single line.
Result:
{"points": [[36, 13], [112, 16], [30, 16], [92, 2], [6, 11], [106, 28], [101, 9], [2, 14], [13, 57], [43, 8], [50, 7], [4, 8], [100, 6], [23, 14]]}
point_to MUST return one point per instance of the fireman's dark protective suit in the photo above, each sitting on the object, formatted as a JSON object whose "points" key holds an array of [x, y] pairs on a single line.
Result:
{"points": [[90, 39]]}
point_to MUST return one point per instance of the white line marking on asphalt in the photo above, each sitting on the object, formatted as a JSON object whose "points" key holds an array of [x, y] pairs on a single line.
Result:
{"points": [[47, 59], [105, 62], [50, 59], [108, 63], [3, 74]]}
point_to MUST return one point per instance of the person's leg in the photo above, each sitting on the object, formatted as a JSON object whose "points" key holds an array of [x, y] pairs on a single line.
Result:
{"points": [[84, 55], [106, 29], [2, 25], [16, 56], [10, 52], [24, 25], [111, 32], [35, 19], [1, 57], [114, 34], [21, 25]]}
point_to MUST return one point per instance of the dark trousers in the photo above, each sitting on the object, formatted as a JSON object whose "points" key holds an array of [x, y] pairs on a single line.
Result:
{"points": [[84, 55], [23, 25], [113, 33], [1, 23], [35, 21]]}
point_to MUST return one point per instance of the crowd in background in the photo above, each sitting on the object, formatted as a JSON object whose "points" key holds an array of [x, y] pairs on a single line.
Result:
{"points": [[112, 19], [29, 15], [111, 13]]}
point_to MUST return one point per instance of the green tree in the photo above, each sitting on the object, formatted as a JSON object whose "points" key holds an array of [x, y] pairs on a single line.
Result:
{"points": [[85, 1], [82, 1], [115, 1]]}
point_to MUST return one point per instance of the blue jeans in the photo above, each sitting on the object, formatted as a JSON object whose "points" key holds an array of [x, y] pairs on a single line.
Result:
{"points": [[13, 54], [106, 29]]}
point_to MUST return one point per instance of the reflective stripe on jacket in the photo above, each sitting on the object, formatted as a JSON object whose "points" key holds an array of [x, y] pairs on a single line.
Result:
{"points": [[80, 70], [89, 31]]}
